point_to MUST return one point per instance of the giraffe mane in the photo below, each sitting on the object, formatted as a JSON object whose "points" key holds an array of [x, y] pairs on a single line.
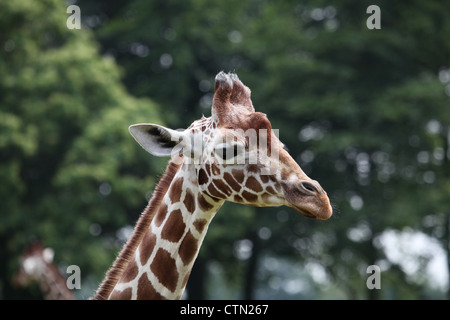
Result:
{"points": [[115, 272]]}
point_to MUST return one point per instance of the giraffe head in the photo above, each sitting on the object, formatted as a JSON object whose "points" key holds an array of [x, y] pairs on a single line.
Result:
{"points": [[32, 263], [235, 155]]}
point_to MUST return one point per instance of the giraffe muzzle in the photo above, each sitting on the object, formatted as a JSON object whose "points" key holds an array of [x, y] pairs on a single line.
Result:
{"points": [[309, 199]]}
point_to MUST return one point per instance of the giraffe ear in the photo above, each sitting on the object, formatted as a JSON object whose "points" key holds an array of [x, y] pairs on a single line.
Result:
{"points": [[156, 139]]}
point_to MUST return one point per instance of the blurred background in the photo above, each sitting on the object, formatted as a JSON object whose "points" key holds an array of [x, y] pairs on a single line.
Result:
{"points": [[365, 112]]}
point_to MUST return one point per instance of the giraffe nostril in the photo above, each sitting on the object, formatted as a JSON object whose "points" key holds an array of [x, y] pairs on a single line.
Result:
{"points": [[309, 187]]}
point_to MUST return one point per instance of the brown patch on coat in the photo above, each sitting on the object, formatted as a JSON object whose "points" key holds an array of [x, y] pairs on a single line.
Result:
{"points": [[264, 178], [189, 201], [232, 182], [270, 190], [147, 245], [130, 273], [220, 185], [204, 205], [253, 184], [188, 248], [238, 198], [249, 197], [213, 191], [202, 177], [215, 170], [238, 175], [161, 215], [174, 227], [200, 224], [175, 190], [164, 268], [146, 291], [253, 168]]}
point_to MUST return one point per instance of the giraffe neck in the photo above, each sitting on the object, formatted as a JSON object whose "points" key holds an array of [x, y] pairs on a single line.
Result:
{"points": [[162, 261], [47, 276], [53, 285]]}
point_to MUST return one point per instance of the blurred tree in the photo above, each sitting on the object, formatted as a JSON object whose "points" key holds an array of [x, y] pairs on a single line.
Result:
{"points": [[365, 102], [63, 122], [364, 110]]}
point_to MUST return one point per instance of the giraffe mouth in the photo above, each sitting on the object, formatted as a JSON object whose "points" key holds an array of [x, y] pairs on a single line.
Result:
{"points": [[305, 212]]}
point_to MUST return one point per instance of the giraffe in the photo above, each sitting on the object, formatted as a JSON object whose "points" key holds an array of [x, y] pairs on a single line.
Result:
{"points": [[212, 161], [36, 264]]}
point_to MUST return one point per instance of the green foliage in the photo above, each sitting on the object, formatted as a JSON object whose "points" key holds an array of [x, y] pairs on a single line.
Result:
{"points": [[354, 106], [365, 112], [64, 117]]}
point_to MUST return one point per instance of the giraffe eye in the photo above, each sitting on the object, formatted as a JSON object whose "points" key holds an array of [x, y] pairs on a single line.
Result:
{"points": [[227, 153]]}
